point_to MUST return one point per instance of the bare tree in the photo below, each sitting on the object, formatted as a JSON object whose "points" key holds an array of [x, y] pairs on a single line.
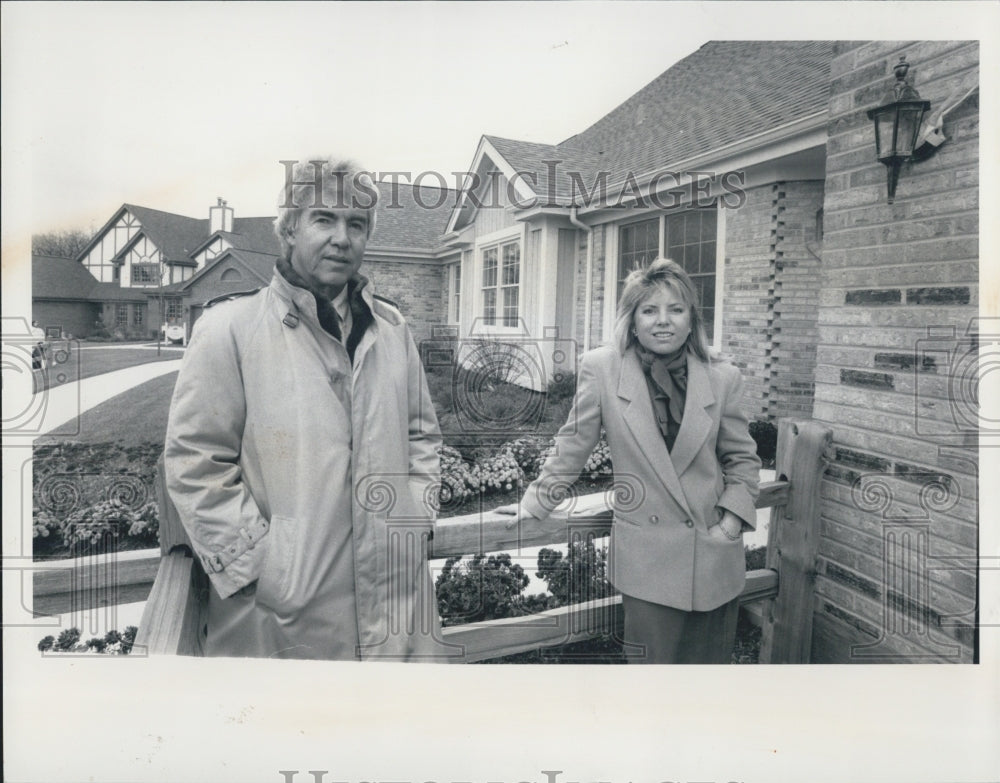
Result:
{"points": [[63, 244]]}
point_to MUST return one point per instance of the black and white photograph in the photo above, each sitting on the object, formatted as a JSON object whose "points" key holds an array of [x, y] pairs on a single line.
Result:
{"points": [[636, 360]]}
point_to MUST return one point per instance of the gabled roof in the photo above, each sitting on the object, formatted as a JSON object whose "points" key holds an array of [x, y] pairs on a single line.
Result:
{"points": [[725, 92], [260, 266], [60, 278], [176, 236]]}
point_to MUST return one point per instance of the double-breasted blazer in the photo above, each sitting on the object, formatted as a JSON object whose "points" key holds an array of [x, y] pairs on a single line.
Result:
{"points": [[664, 502]]}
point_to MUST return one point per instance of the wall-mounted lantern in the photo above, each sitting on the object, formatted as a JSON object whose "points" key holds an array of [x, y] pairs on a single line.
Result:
{"points": [[897, 123]]}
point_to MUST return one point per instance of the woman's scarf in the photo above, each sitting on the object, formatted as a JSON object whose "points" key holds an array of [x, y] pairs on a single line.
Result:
{"points": [[667, 375]]}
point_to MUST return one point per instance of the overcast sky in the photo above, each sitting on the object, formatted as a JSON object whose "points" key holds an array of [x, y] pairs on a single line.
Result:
{"points": [[171, 105]]}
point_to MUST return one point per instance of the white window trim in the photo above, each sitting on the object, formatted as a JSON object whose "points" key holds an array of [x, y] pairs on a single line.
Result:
{"points": [[611, 268], [454, 311], [497, 239]]}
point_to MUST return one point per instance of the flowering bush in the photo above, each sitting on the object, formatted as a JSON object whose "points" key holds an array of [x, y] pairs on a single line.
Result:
{"points": [[599, 461], [113, 642], [146, 526], [96, 523], [455, 478], [497, 473]]}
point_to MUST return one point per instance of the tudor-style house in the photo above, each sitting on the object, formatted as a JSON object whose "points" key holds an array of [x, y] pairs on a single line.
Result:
{"points": [[146, 268]]}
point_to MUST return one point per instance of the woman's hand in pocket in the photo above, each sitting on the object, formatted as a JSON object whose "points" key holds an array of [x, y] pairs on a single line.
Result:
{"points": [[729, 529]]}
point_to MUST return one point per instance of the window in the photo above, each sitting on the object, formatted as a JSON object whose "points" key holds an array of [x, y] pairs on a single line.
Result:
{"points": [[145, 274], [138, 314], [691, 242], [121, 315], [490, 286], [175, 309], [456, 291], [690, 239], [638, 245], [231, 276], [501, 284]]}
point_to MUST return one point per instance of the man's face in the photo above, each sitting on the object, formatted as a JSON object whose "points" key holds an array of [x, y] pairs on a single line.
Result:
{"points": [[328, 246]]}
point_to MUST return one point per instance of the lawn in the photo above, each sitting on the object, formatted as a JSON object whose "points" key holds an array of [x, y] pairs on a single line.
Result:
{"points": [[133, 418], [75, 361]]}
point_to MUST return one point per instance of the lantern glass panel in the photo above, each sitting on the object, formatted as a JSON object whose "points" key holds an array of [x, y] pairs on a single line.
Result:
{"points": [[885, 122], [909, 126]]}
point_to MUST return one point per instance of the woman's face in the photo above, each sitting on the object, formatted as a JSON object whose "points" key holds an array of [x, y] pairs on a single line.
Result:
{"points": [[662, 321]]}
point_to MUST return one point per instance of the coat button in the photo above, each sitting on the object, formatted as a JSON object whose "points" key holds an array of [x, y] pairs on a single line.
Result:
{"points": [[654, 519], [689, 523]]}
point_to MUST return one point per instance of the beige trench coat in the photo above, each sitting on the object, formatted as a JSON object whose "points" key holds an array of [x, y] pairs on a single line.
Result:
{"points": [[665, 502], [305, 483]]}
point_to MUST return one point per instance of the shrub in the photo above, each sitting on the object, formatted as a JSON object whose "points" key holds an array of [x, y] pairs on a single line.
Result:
{"points": [[67, 639], [97, 523], [483, 588], [562, 386], [146, 527], [113, 642], [580, 575], [496, 473], [766, 436]]}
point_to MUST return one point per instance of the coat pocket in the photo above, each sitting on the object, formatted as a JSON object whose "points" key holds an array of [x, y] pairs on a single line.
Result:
{"points": [[275, 576]]}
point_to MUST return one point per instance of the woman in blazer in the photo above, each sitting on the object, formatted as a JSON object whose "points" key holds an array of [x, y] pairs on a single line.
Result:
{"points": [[686, 471]]}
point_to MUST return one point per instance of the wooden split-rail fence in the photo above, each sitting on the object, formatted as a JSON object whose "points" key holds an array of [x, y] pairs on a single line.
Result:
{"points": [[780, 595]]}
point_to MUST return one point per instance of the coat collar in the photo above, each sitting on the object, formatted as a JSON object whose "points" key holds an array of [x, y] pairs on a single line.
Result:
{"points": [[301, 303], [694, 428]]}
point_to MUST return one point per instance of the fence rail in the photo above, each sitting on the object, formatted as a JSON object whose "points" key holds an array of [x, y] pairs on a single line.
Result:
{"points": [[176, 588]]}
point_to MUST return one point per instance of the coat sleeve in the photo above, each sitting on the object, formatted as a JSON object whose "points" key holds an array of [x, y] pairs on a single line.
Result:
{"points": [[424, 435], [737, 454], [574, 443], [201, 457]]}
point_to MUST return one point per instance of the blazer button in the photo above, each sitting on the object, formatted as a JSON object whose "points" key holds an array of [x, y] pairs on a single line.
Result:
{"points": [[689, 523], [654, 519]]}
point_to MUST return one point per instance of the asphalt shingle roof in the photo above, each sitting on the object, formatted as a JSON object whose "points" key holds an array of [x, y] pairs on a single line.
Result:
{"points": [[724, 92], [410, 217], [60, 278], [177, 236]]}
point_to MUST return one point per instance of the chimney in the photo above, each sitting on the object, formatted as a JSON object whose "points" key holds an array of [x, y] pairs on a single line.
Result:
{"points": [[220, 217]]}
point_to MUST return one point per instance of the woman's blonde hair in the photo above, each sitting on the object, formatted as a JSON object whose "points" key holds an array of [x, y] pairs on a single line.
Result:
{"points": [[660, 274]]}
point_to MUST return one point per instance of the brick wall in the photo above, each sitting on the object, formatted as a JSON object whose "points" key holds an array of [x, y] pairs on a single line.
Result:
{"points": [[75, 318], [899, 290], [797, 249], [416, 288], [772, 289], [747, 310]]}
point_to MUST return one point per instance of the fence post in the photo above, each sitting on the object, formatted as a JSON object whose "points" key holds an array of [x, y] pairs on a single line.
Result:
{"points": [[793, 542]]}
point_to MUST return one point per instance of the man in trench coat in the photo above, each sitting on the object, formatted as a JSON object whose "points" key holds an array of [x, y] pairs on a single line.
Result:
{"points": [[301, 449]]}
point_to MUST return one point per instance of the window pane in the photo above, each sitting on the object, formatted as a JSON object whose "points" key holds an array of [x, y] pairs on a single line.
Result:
{"points": [[638, 245], [510, 306], [708, 257], [511, 264], [490, 267], [490, 306]]}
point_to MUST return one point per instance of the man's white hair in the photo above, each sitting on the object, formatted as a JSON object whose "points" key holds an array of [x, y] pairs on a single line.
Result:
{"points": [[341, 183]]}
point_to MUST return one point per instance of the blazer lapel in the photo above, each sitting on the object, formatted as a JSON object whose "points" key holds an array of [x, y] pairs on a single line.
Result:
{"points": [[638, 415], [696, 422]]}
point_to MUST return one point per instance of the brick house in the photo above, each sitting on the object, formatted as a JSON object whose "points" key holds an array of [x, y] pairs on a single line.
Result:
{"points": [[146, 267], [753, 164], [650, 178]]}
